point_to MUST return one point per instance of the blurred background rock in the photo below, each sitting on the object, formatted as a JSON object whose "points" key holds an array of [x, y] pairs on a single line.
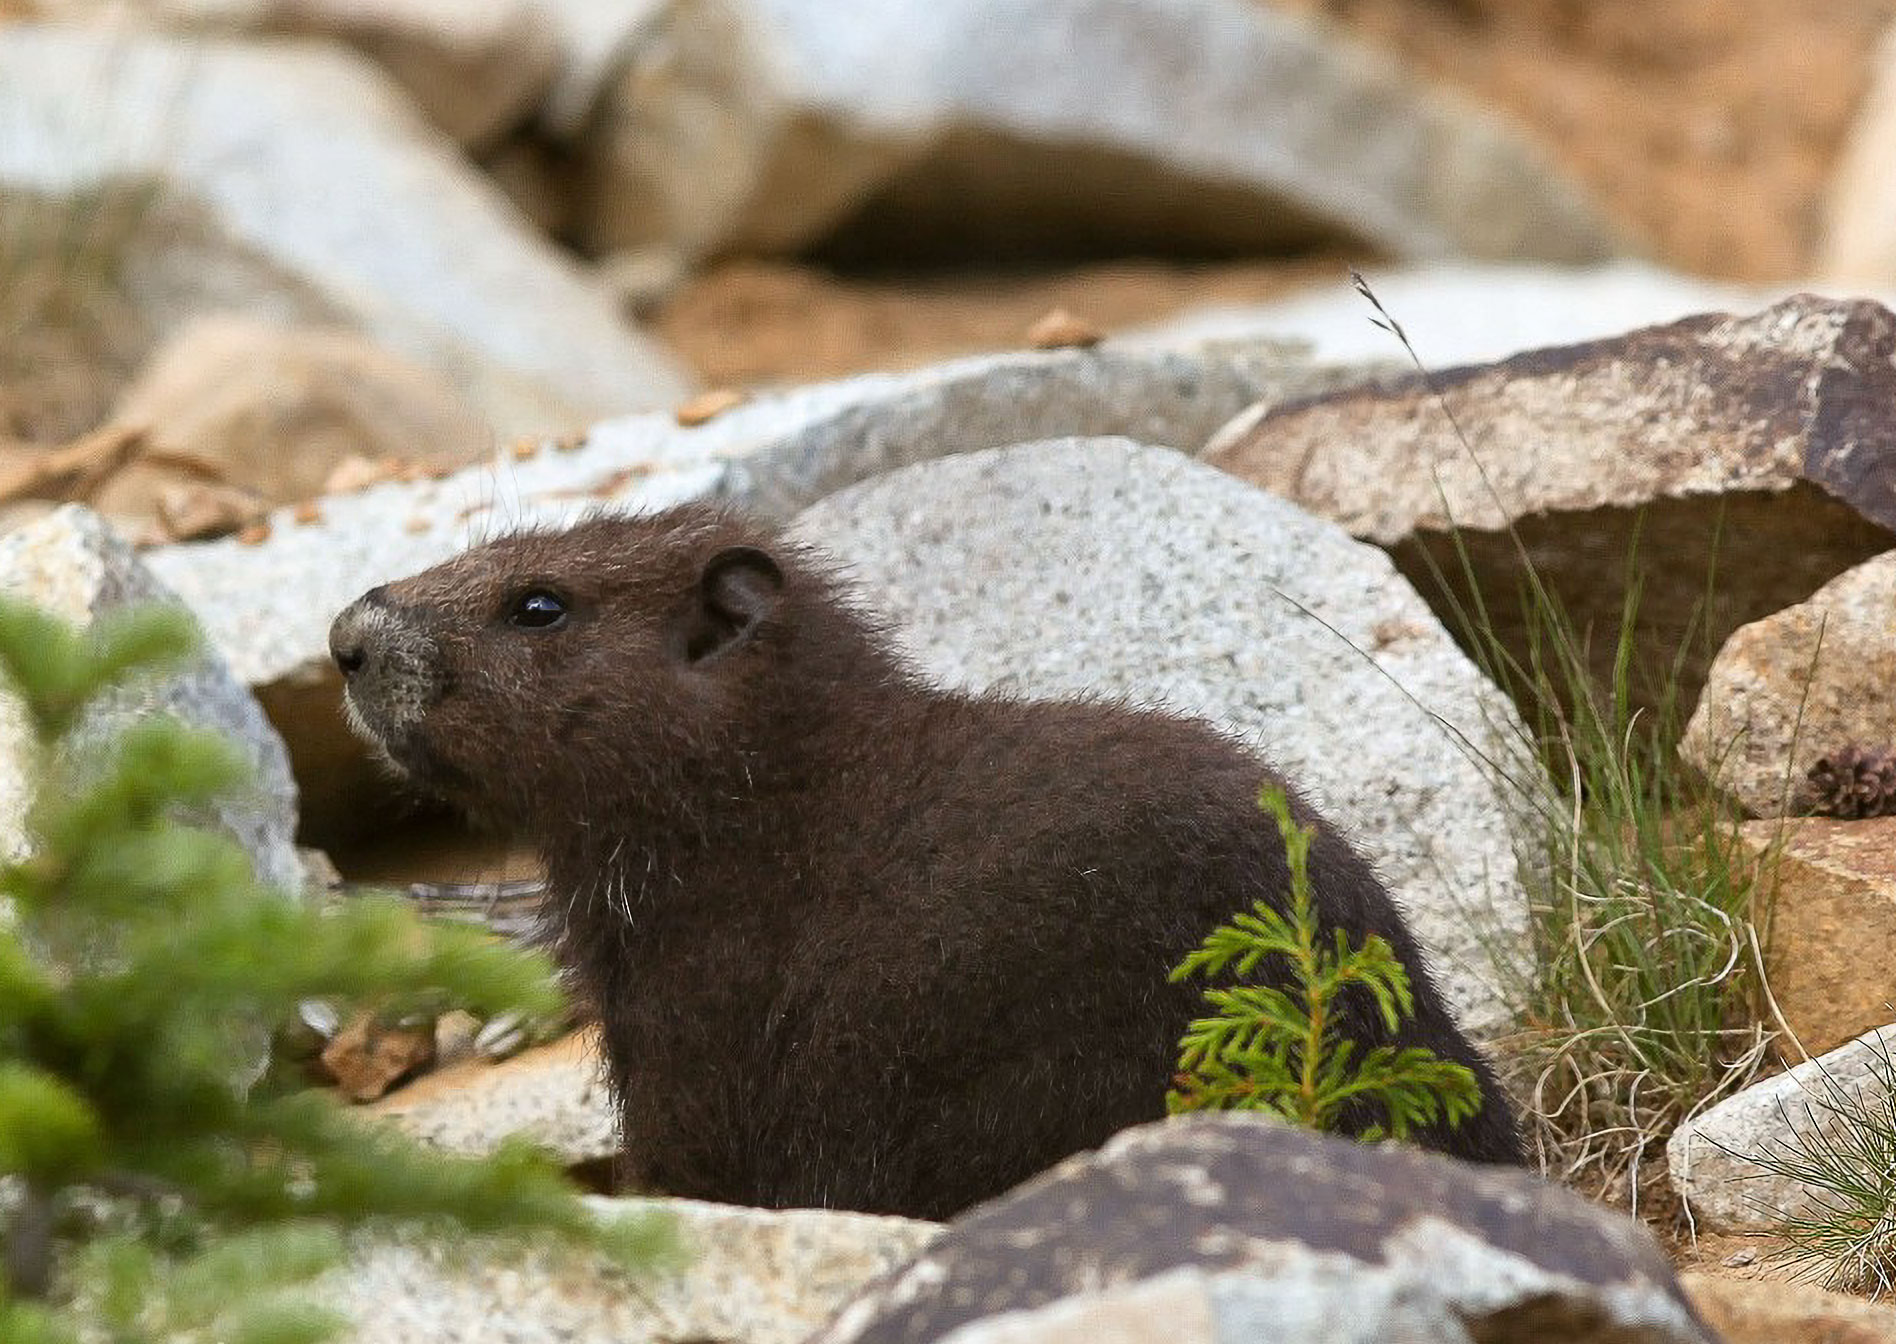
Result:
{"points": [[432, 226]]}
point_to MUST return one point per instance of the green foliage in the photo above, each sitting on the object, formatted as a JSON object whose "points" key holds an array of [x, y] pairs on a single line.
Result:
{"points": [[1646, 909], [1842, 1150], [147, 1190], [1281, 1049]]}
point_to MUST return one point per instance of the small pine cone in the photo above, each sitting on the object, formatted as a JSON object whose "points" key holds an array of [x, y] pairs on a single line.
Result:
{"points": [[1851, 783], [1876, 784]]}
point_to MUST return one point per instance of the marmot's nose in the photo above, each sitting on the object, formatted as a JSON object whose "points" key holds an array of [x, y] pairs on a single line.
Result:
{"points": [[349, 636]]}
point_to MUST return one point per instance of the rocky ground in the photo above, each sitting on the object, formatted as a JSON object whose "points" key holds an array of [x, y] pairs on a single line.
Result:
{"points": [[295, 299]]}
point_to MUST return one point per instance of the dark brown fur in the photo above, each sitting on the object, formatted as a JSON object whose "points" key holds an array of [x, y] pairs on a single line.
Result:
{"points": [[855, 942]]}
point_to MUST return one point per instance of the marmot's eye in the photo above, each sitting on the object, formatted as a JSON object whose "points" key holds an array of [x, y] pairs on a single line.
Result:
{"points": [[536, 609]]}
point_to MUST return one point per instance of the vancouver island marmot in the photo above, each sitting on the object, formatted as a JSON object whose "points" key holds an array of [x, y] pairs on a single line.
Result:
{"points": [[854, 941]]}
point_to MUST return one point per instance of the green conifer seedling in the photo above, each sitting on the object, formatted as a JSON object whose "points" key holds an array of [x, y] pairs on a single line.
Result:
{"points": [[1279, 1049], [148, 1190]]}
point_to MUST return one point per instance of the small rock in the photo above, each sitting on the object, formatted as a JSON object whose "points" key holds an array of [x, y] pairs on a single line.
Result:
{"points": [[1833, 915], [197, 511], [1061, 330], [367, 1057], [708, 406], [1739, 1259], [1232, 1227], [1102, 567], [1797, 684], [501, 1036], [555, 1095], [745, 1276], [319, 870], [356, 472], [320, 1016], [455, 1032], [1711, 1157]]}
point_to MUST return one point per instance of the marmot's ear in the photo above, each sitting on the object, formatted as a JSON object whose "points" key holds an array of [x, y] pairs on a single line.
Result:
{"points": [[738, 588]]}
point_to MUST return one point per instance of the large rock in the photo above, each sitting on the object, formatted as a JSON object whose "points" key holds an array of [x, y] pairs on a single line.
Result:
{"points": [[1796, 686], [746, 1276], [1103, 567], [474, 70], [1712, 1158], [978, 128], [1762, 440], [275, 410], [268, 607], [1233, 1227], [1832, 925], [73, 566], [293, 181]]}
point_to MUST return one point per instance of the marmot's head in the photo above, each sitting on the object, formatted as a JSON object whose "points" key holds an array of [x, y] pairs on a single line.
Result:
{"points": [[550, 676]]}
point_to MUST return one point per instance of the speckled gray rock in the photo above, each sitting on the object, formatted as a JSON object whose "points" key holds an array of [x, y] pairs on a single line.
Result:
{"points": [[1799, 684], [555, 1095], [1233, 1227], [743, 125], [268, 607], [749, 1276], [1709, 1157], [72, 565], [1100, 566], [296, 182]]}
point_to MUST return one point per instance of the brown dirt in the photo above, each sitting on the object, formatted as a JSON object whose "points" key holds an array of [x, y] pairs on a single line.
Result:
{"points": [[1709, 127], [753, 322]]}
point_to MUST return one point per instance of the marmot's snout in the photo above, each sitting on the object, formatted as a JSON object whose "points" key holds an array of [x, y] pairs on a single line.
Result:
{"points": [[387, 668], [351, 633]]}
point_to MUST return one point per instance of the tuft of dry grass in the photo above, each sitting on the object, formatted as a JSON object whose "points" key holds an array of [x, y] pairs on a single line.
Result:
{"points": [[1648, 914], [70, 336]]}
